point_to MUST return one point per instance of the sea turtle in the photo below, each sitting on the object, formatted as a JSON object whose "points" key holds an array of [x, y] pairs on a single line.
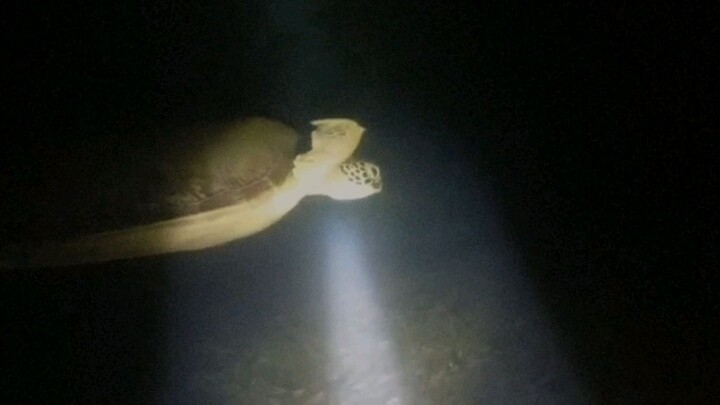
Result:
{"points": [[247, 178]]}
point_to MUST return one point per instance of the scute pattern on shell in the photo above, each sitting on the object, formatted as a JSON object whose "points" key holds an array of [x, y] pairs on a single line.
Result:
{"points": [[227, 165], [195, 171], [224, 190]]}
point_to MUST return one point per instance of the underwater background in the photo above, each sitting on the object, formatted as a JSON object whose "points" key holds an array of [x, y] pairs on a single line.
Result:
{"points": [[545, 234]]}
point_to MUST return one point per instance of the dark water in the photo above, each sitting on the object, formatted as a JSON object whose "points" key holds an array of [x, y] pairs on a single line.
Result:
{"points": [[543, 235]]}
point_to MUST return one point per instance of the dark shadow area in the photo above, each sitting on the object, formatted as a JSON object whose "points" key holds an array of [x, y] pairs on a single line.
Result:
{"points": [[86, 335], [545, 233]]}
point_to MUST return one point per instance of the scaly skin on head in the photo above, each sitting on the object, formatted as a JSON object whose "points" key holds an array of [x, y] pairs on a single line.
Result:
{"points": [[353, 180]]}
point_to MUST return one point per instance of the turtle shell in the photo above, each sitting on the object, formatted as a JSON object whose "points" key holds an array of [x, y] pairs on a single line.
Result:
{"points": [[180, 174], [226, 165]]}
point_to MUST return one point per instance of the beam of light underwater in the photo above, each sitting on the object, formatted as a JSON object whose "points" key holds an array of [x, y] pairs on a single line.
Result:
{"points": [[363, 367]]}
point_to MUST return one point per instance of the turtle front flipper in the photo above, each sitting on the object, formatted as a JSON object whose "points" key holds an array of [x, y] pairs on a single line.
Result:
{"points": [[334, 140]]}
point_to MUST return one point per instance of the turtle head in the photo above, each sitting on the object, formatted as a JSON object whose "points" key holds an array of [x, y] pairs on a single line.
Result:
{"points": [[353, 180]]}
